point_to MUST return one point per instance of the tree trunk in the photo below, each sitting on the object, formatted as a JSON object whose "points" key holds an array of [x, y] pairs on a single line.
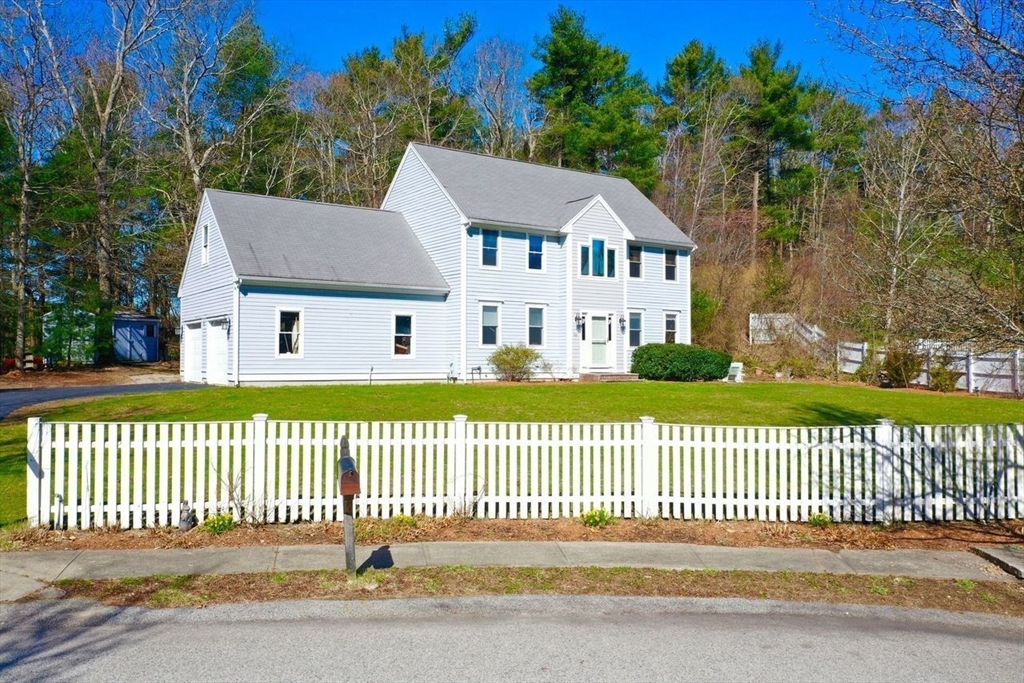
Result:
{"points": [[103, 251], [753, 226], [21, 267]]}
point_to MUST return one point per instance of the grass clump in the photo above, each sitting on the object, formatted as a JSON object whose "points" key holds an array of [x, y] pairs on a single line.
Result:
{"points": [[597, 518], [819, 520]]}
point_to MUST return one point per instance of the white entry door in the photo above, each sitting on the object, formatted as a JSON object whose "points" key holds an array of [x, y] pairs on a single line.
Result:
{"points": [[193, 353], [217, 353], [598, 345]]}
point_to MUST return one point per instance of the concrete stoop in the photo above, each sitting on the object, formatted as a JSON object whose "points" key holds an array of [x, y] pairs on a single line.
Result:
{"points": [[588, 377]]}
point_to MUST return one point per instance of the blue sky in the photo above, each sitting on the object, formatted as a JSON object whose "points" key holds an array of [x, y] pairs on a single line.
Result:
{"points": [[321, 32]]}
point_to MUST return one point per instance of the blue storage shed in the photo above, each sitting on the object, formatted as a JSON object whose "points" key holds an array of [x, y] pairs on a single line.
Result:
{"points": [[136, 337]]}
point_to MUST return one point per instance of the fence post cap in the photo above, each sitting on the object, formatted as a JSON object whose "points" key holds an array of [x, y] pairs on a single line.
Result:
{"points": [[885, 422], [647, 419], [260, 417], [461, 418]]}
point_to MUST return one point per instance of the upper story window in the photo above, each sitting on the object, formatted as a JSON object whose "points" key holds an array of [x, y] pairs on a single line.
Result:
{"points": [[670, 264], [289, 333], [403, 335], [635, 254], [535, 257], [596, 259], [489, 248], [206, 244]]}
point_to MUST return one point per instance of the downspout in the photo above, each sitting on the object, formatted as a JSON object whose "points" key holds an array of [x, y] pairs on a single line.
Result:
{"points": [[236, 322]]}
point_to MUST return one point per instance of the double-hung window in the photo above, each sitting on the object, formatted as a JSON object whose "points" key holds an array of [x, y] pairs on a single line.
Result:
{"points": [[670, 264], [636, 329], [489, 248], [535, 325], [535, 257], [634, 254], [670, 327], [403, 335], [289, 333], [489, 325], [596, 259]]}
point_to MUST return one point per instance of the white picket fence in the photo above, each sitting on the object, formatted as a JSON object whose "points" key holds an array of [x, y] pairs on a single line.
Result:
{"points": [[134, 475], [997, 372]]}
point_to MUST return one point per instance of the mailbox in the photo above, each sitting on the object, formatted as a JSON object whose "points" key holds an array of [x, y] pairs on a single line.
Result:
{"points": [[348, 477]]}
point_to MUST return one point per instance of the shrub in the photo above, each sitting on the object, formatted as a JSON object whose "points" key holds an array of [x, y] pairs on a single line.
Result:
{"points": [[514, 363], [218, 524], [902, 364], [679, 363], [943, 377], [597, 518], [819, 520]]}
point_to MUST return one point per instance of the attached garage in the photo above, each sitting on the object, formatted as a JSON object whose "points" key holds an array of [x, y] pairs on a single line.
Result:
{"points": [[217, 352], [192, 357]]}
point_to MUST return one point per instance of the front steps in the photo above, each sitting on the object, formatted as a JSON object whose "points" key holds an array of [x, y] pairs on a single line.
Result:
{"points": [[587, 377]]}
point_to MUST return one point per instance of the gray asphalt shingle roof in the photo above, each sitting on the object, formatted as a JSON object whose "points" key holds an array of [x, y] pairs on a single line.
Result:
{"points": [[272, 237], [506, 191]]}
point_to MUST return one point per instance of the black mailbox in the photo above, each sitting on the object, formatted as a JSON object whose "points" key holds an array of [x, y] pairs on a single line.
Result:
{"points": [[348, 477]]}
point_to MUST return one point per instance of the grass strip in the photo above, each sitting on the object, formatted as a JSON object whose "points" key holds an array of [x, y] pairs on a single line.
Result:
{"points": [[961, 595]]}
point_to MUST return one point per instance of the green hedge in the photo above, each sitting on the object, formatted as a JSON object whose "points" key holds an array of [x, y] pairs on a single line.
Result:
{"points": [[680, 363]]}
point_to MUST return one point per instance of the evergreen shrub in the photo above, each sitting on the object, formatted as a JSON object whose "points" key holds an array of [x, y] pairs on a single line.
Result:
{"points": [[680, 363]]}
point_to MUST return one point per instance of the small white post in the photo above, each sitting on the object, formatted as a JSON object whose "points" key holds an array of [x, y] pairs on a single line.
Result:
{"points": [[460, 493], [35, 470], [969, 367], [1018, 385], [648, 499], [257, 498], [884, 470], [864, 353]]}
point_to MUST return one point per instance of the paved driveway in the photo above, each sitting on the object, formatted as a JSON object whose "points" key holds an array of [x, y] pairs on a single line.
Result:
{"points": [[13, 399]]}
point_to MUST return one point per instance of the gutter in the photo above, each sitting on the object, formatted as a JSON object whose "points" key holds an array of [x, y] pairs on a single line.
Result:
{"points": [[296, 283]]}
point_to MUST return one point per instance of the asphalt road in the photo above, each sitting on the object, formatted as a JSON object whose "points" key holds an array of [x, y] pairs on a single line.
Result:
{"points": [[13, 399], [507, 639]]}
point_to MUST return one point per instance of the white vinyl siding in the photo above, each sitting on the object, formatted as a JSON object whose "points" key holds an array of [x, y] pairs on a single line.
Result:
{"points": [[345, 336], [599, 295], [437, 224], [654, 294]]}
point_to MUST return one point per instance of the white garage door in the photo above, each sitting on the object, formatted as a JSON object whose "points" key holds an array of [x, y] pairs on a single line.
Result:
{"points": [[217, 353], [193, 353]]}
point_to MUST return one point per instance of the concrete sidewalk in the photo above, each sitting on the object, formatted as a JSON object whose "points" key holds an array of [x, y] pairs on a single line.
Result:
{"points": [[23, 573]]}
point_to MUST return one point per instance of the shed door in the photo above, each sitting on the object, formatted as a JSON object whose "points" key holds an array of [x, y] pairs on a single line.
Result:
{"points": [[193, 353], [217, 354]]}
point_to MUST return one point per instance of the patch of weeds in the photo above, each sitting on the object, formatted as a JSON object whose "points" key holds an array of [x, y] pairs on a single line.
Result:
{"points": [[647, 522], [786, 575], [819, 520], [965, 585], [878, 588], [988, 597], [173, 597], [709, 572], [433, 585], [132, 581], [597, 518], [279, 578], [219, 523]]}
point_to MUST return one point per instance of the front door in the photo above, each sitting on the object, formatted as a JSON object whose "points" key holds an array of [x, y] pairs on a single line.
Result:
{"points": [[598, 343]]}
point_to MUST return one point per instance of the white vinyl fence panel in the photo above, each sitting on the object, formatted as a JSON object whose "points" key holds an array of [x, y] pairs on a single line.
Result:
{"points": [[134, 475]]}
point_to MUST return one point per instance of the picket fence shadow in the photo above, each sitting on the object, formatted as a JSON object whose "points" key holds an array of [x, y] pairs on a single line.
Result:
{"points": [[135, 475]]}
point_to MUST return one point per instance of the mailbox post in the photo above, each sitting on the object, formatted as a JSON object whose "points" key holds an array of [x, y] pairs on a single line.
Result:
{"points": [[348, 486]]}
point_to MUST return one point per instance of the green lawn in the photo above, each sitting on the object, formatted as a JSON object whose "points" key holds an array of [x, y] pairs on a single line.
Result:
{"points": [[789, 404]]}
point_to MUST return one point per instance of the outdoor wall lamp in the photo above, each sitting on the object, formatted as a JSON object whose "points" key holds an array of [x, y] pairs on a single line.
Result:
{"points": [[578, 319], [622, 321]]}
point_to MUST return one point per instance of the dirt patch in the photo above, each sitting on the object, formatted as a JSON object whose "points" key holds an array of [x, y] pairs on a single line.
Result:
{"points": [[115, 374], [890, 591], [946, 536]]}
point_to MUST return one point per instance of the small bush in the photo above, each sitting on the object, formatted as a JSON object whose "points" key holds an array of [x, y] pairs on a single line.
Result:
{"points": [[679, 363], [943, 377], [218, 524], [597, 518], [902, 365], [819, 520], [514, 363]]}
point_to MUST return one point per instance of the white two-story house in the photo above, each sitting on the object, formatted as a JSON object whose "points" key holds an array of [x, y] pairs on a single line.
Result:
{"points": [[468, 253]]}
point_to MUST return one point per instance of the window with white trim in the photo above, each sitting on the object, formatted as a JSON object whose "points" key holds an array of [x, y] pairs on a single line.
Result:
{"points": [[489, 248], [206, 244], [670, 264], [634, 254], [596, 259], [289, 333], [535, 255], [402, 335], [489, 321], [670, 327], [636, 329], [535, 325]]}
